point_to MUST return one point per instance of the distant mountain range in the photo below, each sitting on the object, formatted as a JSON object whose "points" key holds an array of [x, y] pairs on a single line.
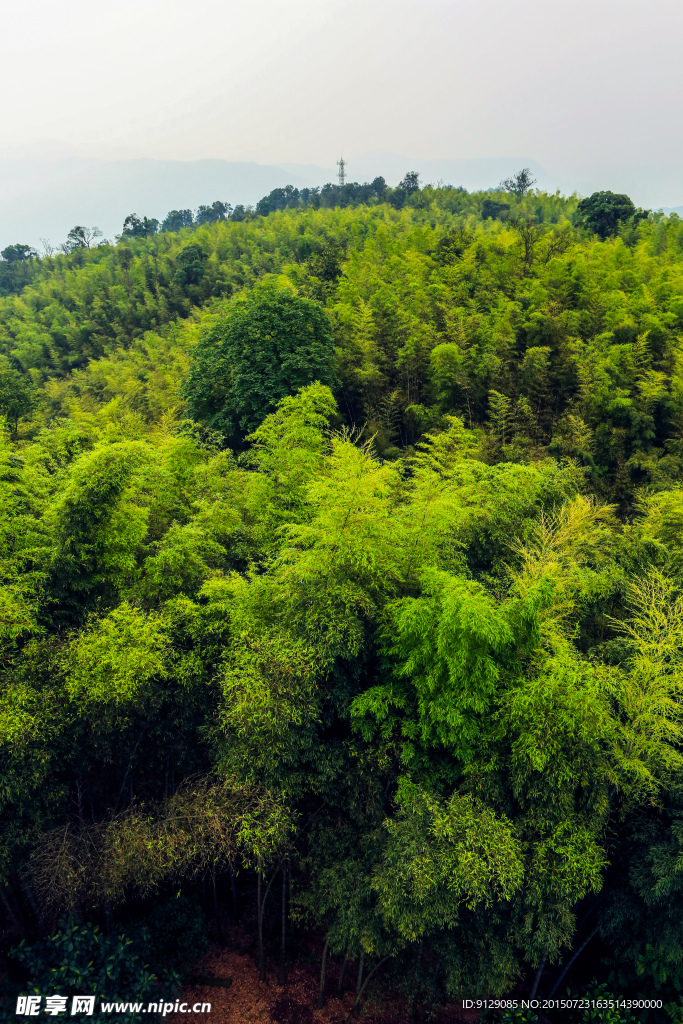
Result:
{"points": [[45, 198]]}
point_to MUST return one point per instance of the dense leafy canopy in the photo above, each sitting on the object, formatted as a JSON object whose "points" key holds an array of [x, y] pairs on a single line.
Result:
{"points": [[346, 541], [604, 211], [267, 345]]}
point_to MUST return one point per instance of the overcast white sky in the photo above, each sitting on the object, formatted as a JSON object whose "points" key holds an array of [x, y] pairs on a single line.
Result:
{"points": [[574, 84]]}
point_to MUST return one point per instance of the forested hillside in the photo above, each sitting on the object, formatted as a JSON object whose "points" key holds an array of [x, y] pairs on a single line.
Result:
{"points": [[341, 545]]}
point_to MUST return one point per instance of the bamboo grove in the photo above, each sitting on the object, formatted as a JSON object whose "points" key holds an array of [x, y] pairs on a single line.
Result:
{"points": [[342, 555]]}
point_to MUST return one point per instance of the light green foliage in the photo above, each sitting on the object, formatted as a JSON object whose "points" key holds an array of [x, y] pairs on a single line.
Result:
{"points": [[446, 645], [97, 530], [440, 856], [270, 692], [563, 565], [289, 445], [347, 539], [17, 396], [562, 722], [649, 690], [112, 661], [288, 449], [23, 714]]}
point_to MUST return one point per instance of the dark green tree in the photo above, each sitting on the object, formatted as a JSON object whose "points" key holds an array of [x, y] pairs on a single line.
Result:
{"points": [[491, 209], [17, 396], [177, 219], [410, 183], [269, 344], [603, 212], [81, 237], [379, 187], [327, 263], [134, 227], [18, 253], [212, 214], [405, 189], [14, 264], [191, 264], [278, 199]]}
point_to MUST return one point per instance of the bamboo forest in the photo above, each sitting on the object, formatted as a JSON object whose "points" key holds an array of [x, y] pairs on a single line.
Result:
{"points": [[342, 606]]}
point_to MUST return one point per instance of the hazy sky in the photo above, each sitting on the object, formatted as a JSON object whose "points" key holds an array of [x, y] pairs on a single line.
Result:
{"points": [[575, 84]]}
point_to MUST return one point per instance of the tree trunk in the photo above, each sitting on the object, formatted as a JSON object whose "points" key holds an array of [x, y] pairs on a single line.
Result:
{"points": [[261, 898], [361, 990], [215, 903], [321, 989], [358, 980], [260, 902], [234, 892], [340, 983], [430, 999], [358, 985], [416, 989], [283, 924], [537, 979], [571, 961]]}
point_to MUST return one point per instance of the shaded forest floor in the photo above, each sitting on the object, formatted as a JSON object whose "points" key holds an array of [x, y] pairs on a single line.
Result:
{"points": [[248, 999]]}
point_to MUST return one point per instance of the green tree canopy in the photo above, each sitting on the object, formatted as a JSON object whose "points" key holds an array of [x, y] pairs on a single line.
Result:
{"points": [[15, 261], [492, 208], [177, 219], [266, 345], [135, 227], [18, 253], [17, 395], [604, 211], [213, 213], [81, 237]]}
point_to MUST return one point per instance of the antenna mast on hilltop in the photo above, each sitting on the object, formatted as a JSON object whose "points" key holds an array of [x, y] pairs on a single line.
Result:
{"points": [[341, 164]]}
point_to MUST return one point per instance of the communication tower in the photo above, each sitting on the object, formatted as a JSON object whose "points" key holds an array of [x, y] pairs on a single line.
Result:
{"points": [[341, 164]]}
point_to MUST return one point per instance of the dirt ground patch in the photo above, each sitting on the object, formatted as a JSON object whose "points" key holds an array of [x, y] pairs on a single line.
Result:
{"points": [[247, 999]]}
